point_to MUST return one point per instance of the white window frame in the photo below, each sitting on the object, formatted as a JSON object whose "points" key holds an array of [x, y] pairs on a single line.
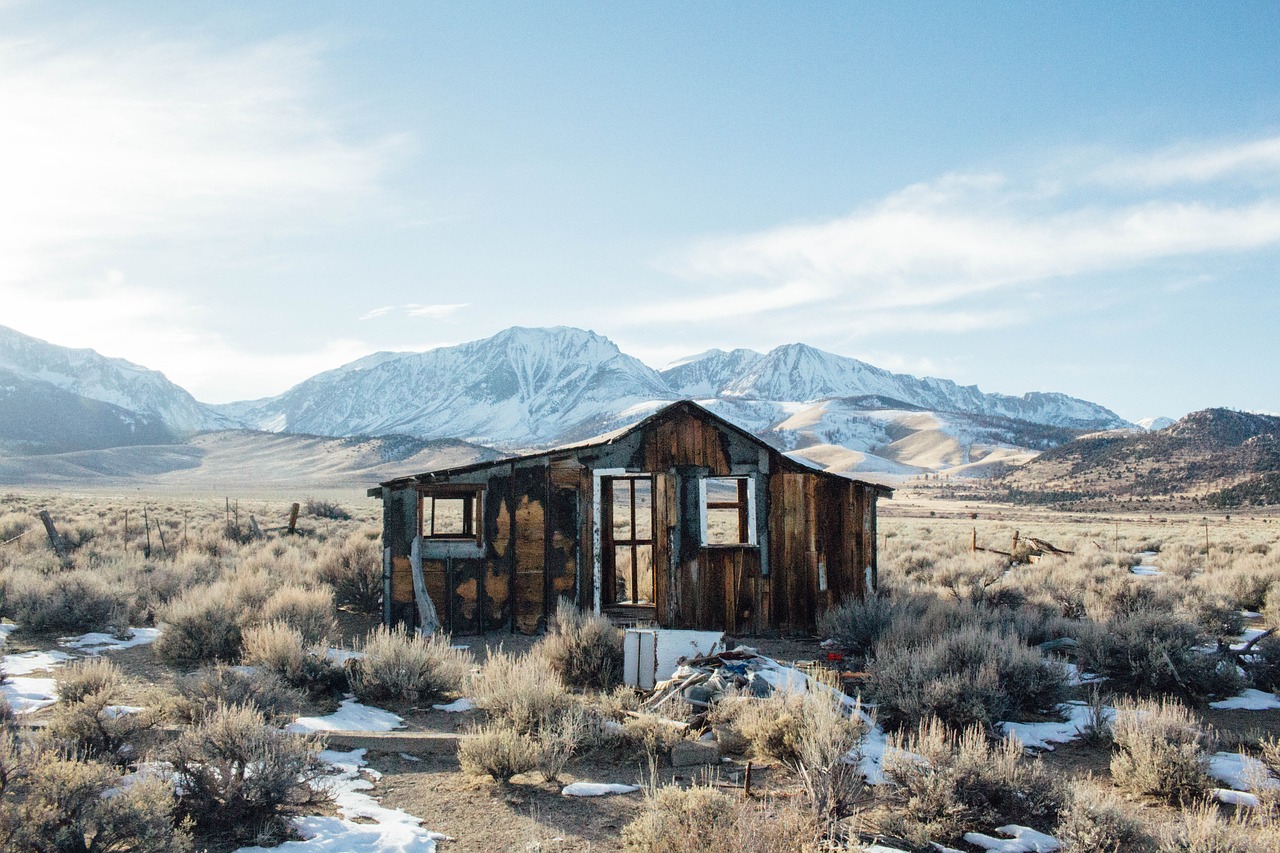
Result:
{"points": [[752, 537]]}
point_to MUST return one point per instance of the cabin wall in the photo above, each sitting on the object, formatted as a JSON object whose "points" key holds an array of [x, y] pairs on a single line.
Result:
{"points": [[815, 538]]}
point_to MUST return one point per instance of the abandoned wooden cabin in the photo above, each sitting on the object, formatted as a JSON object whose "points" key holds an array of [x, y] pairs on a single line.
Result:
{"points": [[682, 520]]}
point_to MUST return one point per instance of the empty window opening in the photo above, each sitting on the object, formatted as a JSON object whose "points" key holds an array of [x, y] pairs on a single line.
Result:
{"points": [[728, 511], [451, 514], [629, 550]]}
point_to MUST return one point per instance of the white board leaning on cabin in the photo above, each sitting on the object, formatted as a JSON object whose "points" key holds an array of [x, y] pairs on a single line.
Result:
{"points": [[651, 655]]}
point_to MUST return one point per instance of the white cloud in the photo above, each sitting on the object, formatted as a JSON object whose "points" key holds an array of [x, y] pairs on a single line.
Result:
{"points": [[1197, 164], [133, 145], [430, 312], [897, 262]]}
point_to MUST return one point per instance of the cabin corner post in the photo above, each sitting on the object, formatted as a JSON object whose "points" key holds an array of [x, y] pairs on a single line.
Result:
{"points": [[388, 536]]}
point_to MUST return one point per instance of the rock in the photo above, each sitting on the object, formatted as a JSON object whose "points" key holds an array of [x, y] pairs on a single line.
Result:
{"points": [[693, 753]]}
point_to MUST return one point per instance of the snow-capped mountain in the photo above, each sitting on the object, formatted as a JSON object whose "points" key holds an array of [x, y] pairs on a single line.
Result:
{"points": [[522, 387], [801, 373], [108, 380], [527, 388], [1153, 424]]}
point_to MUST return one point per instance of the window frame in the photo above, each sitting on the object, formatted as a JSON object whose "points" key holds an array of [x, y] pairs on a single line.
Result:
{"points": [[472, 497], [745, 504], [609, 576]]}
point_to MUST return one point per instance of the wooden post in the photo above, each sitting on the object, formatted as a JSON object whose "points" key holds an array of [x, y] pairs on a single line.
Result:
{"points": [[163, 547], [973, 544], [293, 518], [746, 781], [254, 529], [55, 538], [126, 525], [1014, 549], [146, 524], [184, 528]]}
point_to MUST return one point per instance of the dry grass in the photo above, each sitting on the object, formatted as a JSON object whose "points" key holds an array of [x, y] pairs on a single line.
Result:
{"points": [[1159, 750]]}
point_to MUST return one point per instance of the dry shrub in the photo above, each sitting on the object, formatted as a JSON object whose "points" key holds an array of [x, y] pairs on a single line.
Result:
{"points": [[94, 728], [557, 739], [858, 624], [1094, 820], [354, 571], [308, 611], [408, 668], [200, 626], [326, 509], [701, 819], [652, 735], [1203, 829], [974, 676], [521, 690], [1154, 652], [66, 602], [201, 692], [940, 785], [498, 750], [280, 648], [678, 820], [825, 761], [1159, 750], [241, 777], [82, 678], [585, 649], [62, 804]]}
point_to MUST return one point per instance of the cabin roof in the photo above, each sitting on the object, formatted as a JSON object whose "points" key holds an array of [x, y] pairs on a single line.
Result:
{"points": [[605, 439]]}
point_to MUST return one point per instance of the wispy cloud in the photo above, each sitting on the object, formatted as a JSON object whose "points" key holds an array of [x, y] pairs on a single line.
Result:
{"points": [[915, 256], [135, 144], [430, 312], [1198, 164]]}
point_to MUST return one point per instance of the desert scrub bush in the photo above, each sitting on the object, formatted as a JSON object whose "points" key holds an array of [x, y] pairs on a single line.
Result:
{"points": [[1159, 750], [354, 571], [522, 690], [308, 611], [326, 509], [975, 675], [652, 735], [832, 782], [281, 649], [67, 602], [584, 649], [200, 626], [407, 668], [200, 693], [858, 624], [940, 784], [92, 727], [701, 819], [498, 750], [1203, 829], [240, 777], [1152, 653], [1094, 820], [66, 804], [82, 678], [676, 820]]}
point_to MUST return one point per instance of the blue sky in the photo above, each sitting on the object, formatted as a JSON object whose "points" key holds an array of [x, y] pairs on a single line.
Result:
{"points": [[1024, 196]]}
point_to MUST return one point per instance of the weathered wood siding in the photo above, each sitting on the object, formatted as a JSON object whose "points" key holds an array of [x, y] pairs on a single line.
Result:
{"points": [[814, 536]]}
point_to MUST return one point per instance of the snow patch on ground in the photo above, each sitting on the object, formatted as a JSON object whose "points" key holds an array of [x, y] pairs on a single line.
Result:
{"points": [[1043, 735], [94, 643], [1023, 839], [1145, 571], [1235, 798], [25, 694], [351, 716], [341, 656], [1237, 770], [29, 662], [596, 789], [457, 707], [392, 830], [1250, 700]]}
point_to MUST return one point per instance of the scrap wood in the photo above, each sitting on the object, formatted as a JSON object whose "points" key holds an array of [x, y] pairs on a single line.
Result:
{"points": [[678, 724]]}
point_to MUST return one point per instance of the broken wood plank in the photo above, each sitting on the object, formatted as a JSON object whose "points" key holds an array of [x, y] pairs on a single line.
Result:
{"points": [[55, 538]]}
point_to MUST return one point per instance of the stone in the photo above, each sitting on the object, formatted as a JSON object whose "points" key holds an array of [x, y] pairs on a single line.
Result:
{"points": [[693, 753]]}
